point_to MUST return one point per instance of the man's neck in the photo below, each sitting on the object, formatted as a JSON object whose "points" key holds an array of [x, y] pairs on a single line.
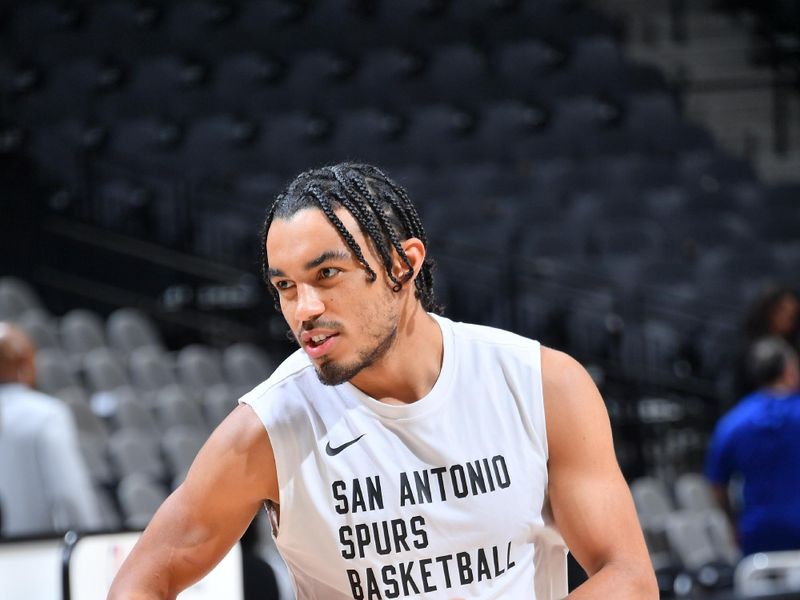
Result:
{"points": [[412, 365]]}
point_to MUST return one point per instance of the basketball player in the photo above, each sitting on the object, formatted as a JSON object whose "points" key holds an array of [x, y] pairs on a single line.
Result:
{"points": [[400, 454]]}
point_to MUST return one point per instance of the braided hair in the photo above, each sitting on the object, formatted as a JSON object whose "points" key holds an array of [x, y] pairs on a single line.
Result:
{"points": [[380, 206]]}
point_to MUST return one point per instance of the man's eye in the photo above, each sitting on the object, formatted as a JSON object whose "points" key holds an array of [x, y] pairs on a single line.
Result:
{"points": [[328, 272], [283, 284]]}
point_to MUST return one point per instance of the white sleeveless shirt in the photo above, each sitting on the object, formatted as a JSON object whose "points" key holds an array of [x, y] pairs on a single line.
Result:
{"points": [[442, 498]]}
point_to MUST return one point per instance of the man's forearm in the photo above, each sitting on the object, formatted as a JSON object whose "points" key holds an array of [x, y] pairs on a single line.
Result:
{"points": [[619, 581]]}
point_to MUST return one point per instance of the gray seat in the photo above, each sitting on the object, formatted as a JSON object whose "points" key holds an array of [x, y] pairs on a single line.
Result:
{"points": [[54, 371], [104, 371], [89, 424], [174, 407], [199, 367], [72, 394], [701, 538], [41, 328], [129, 328], [181, 445], [109, 514], [693, 492], [246, 365], [131, 413], [81, 332], [16, 296], [133, 453], [218, 401], [95, 454], [139, 498], [150, 368], [689, 539], [652, 500]]}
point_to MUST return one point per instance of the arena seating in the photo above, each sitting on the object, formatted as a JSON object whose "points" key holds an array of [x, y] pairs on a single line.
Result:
{"points": [[124, 387]]}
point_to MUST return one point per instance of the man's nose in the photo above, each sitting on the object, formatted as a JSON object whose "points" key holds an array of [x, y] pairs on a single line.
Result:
{"points": [[309, 305]]}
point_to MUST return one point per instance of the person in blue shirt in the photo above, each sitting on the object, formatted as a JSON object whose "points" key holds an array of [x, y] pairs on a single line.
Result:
{"points": [[759, 442]]}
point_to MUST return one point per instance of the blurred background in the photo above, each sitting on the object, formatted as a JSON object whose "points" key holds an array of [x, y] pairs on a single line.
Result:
{"points": [[619, 179]]}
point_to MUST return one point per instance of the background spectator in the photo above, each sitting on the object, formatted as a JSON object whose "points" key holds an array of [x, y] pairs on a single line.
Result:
{"points": [[759, 441], [44, 483]]}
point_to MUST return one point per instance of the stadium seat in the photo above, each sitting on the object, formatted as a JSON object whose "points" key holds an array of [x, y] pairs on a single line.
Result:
{"points": [[218, 401], [16, 297], [373, 133], [129, 329], [150, 368], [652, 500], [104, 371], [250, 82], [199, 367], [693, 492], [181, 444], [524, 66], [41, 328], [54, 371], [134, 414], [81, 332], [246, 365], [95, 453], [459, 72], [393, 76], [139, 497], [89, 424], [175, 407], [130, 455]]}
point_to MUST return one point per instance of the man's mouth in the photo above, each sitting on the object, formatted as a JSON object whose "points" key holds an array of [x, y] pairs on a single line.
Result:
{"points": [[318, 343], [318, 340]]}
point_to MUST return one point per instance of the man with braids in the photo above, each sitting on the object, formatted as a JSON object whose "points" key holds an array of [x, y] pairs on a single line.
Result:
{"points": [[399, 454]]}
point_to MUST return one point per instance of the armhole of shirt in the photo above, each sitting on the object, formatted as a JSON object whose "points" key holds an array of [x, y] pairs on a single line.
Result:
{"points": [[266, 413], [540, 423]]}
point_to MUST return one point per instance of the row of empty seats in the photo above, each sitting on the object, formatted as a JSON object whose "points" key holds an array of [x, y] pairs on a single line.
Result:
{"points": [[249, 82], [49, 29], [686, 533], [222, 145]]}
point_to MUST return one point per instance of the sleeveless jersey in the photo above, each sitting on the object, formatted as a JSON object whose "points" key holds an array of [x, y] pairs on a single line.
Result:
{"points": [[445, 497]]}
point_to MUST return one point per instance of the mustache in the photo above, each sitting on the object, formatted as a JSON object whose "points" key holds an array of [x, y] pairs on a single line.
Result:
{"points": [[309, 325]]}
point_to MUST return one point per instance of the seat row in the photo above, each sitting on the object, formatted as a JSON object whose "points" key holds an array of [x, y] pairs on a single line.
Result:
{"points": [[219, 147], [529, 69], [50, 30]]}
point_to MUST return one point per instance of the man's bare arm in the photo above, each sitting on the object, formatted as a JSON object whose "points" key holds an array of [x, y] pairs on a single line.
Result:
{"points": [[591, 502], [233, 474]]}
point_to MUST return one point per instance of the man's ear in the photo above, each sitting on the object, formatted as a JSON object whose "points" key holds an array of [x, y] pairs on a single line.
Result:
{"points": [[415, 251]]}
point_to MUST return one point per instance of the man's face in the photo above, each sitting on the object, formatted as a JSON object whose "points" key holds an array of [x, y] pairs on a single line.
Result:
{"points": [[343, 321]]}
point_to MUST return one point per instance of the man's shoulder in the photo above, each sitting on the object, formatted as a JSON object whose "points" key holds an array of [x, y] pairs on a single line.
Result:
{"points": [[31, 399], [488, 335], [744, 414]]}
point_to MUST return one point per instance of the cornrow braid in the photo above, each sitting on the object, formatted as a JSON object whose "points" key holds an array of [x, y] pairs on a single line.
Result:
{"points": [[366, 216], [377, 226], [424, 280], [382, 209], [325, 205]]}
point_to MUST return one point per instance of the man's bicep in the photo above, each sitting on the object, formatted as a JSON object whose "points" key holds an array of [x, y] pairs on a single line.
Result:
{"points": [[591, 502], [196, 526]]}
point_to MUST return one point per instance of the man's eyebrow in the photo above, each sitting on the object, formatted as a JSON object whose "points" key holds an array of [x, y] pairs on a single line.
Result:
{"points": [[325, 256]]}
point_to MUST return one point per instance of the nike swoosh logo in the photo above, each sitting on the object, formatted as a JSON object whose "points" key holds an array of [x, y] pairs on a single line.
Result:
{"points": [[331, 451]]}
